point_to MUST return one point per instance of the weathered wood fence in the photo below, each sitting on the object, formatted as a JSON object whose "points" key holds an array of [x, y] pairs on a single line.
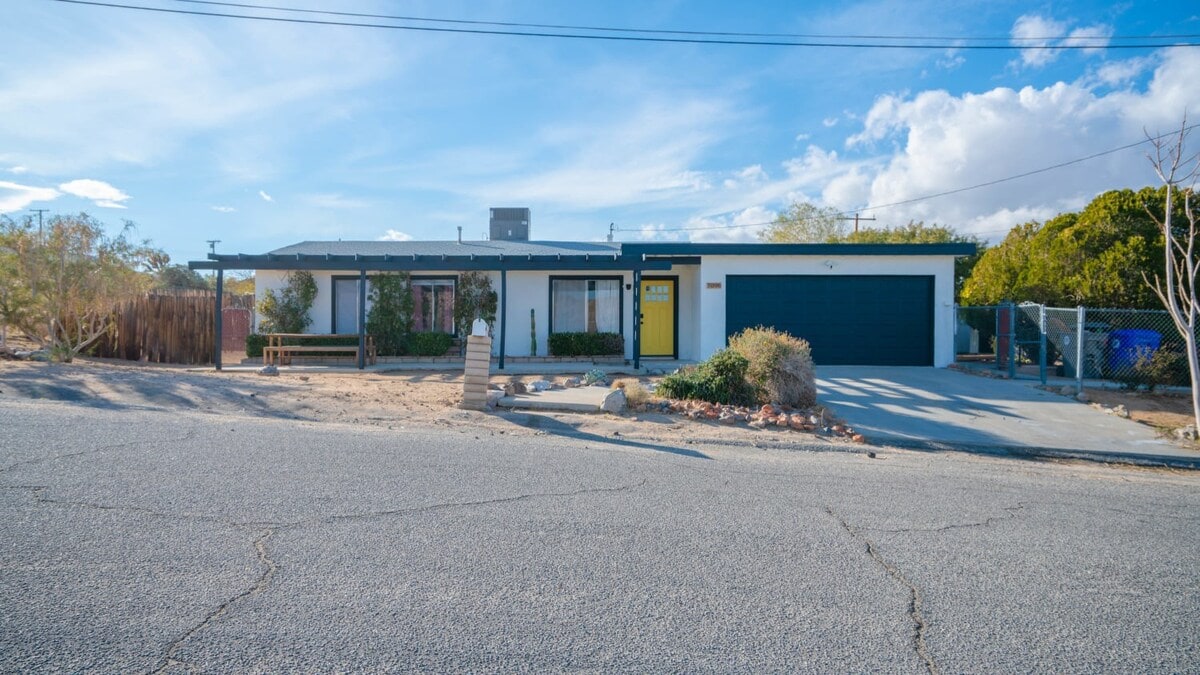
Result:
{"points": [[175, 327]]}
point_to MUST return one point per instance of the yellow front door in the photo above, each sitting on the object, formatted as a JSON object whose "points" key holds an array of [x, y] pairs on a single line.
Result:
{"points": [[658, 317]]}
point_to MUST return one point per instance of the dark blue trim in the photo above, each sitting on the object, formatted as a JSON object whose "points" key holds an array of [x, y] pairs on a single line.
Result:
{"points": [[688, 249], [218, 325]]}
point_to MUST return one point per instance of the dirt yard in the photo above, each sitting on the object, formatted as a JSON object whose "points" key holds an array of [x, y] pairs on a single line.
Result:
{"points": [[391, 400], [1163, 411]]}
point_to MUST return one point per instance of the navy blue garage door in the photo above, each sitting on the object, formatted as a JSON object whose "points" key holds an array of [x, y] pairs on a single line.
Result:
{"points": [[848, 320]]}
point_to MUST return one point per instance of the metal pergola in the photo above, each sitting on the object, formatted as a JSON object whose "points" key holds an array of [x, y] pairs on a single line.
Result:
{"points": [[587, 262]]}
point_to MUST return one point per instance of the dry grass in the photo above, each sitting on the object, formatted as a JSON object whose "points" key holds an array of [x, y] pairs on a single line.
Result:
{"points": [[636, 395]]}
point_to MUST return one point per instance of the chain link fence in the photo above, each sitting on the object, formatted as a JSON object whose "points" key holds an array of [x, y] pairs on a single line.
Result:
{"points": [[1131, 348]]}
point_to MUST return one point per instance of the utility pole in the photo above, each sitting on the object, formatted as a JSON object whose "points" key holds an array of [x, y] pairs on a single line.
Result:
{"points": [[39, 212], [612, 227], [856, 219], [212, 245]]}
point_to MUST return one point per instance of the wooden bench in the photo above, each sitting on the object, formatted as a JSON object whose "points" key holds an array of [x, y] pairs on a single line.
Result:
{"points": [[277, 351]]}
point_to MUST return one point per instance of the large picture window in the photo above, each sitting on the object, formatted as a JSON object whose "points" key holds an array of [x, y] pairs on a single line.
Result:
{"points": [[433, 305], [583, 305]]}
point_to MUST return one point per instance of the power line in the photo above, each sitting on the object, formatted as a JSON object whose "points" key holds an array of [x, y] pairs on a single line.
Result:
{"points": [[935, 195], [1074, 44], [512, 24]]}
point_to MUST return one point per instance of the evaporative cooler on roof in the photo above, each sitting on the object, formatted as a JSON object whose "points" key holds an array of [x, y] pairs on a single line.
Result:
{"points": [[509, 224]]}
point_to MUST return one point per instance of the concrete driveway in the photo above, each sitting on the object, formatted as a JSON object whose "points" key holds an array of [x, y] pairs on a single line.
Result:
{"points": [[946, 409]]}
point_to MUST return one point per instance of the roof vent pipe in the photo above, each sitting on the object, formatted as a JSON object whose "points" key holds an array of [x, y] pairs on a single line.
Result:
{"points": [[460, 234]]}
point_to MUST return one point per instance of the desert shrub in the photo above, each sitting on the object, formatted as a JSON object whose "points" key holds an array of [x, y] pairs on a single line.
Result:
{"points": [[254, 345], [781, 366], [1161, 368], [586, 344], [287, 312], [720, 379], [636, 395], [429, 344]]}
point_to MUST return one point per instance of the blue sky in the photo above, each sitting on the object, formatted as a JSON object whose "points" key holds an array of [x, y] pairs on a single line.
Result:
{"points": [[263, 134]]}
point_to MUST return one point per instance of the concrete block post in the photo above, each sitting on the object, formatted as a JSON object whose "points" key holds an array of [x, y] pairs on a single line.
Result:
{"points": [[477, 372]]}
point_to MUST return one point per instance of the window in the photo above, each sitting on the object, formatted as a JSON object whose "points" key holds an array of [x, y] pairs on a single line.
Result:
{"points": [[582, 305], [433, 305], [345, 305]]}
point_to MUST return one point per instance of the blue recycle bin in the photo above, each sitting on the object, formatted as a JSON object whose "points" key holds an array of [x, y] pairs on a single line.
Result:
{"points": [[1127, 345]]}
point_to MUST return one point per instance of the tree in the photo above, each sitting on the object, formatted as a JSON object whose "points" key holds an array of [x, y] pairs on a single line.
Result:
{"points": [[1177, 287], [804, 222], [473, 299], [64, 281], [179, 277], [919, 233], [1095, 257], [391, 317], [287, 312]]}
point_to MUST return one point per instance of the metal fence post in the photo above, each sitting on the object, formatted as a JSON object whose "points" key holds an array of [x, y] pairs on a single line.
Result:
{"points": [[1042, 342], [1012, 340], [1080, 317]]}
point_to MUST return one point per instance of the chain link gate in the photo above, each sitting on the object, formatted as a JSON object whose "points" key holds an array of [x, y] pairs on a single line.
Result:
{"points": [[1131, 348]]}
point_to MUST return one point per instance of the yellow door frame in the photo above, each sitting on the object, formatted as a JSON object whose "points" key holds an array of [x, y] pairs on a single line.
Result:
{"points": [[674, 279]]}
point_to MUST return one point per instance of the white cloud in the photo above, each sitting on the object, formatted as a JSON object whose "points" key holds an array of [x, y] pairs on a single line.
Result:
{"points": [[265, 197], [14, 197], [659, 232], [830, 122], [223, 209], [98, 191], [18, 170], [396, 235], [802, 137], [334, 201], [744, 226], [1042, 34], [933, 142], [642, 158]]}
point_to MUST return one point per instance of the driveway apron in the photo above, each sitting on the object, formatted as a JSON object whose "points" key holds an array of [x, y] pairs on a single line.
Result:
{"points": [[945, 409]]}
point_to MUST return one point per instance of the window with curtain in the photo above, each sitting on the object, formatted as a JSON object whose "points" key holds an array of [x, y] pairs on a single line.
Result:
{"points": [[585, 305], [433, 305]]}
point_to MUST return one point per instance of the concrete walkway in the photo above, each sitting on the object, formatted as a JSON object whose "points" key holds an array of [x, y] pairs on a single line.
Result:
{"points": [[944, 409]]}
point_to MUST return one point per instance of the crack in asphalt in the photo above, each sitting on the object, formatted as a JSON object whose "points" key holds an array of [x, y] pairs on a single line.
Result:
{"points": [[39, 460], [270, 567], [914, 593], [1010, 514], [482, 502]]}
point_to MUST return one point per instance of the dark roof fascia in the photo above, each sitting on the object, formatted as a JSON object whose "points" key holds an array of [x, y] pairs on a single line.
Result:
{"points": [[426, 263], [690, 249]]}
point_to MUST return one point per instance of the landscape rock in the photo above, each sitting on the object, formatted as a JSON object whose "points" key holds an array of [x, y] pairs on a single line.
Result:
{"points": [[574, 382], [1082, 397], [539, 385], [614, 402], [1120, 411], [759, 423], [493, 397], [1067, 390], [269, 370], [514, 388], [1187, 433]]}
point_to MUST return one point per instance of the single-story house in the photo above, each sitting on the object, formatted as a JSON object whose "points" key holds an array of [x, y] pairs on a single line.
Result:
{"points": [[861, 304]]}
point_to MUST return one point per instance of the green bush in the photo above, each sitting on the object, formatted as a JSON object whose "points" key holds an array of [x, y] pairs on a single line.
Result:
{"points": [[390, 319], [781, 366], [720, 379], [586, 344], [429, 344], [254, 345], [287, 312]]}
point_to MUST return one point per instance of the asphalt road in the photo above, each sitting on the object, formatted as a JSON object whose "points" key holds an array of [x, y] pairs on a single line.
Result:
{"points": [[143, 541]]}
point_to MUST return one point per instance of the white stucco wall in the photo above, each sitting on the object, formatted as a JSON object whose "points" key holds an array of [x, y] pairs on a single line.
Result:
{"points": [[531, 290], [714, 269]]}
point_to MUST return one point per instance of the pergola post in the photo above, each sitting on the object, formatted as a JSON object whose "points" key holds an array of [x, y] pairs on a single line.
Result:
{"points": [[219, 317], [637, 319], [362, 318], [503, 312]]}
